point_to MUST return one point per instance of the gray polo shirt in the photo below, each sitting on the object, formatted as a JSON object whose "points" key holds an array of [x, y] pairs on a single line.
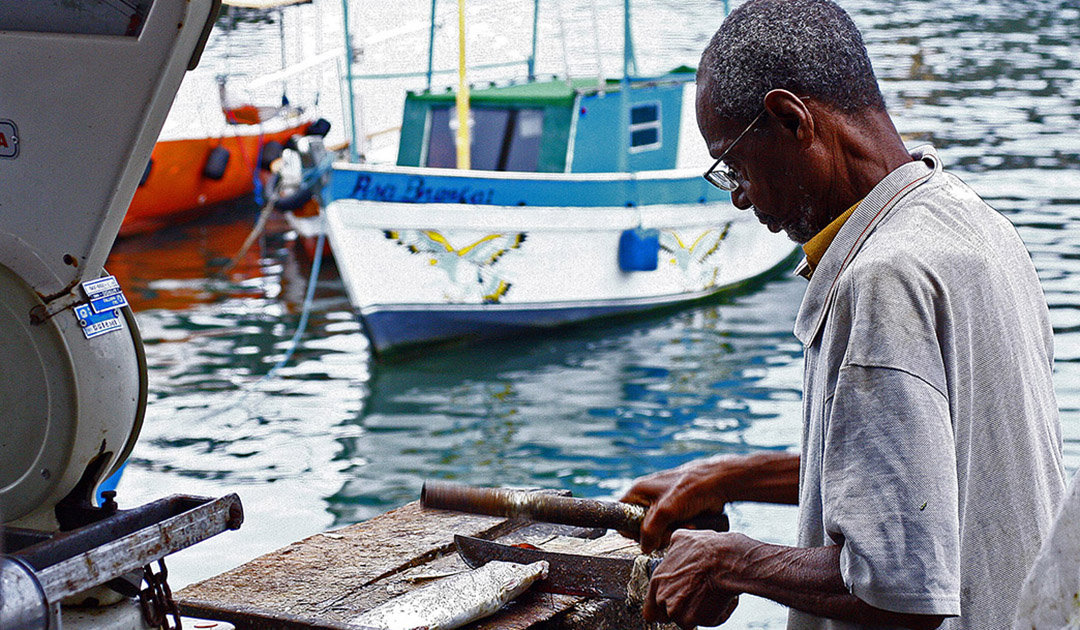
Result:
{"points": [[931, 446]]}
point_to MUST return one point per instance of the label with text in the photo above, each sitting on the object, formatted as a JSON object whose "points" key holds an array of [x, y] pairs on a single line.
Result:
{"points": [[9, 140], [94, 324]]}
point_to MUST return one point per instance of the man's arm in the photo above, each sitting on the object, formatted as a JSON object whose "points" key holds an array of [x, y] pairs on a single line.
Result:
{"points": [[705, 486], [702, 571]]}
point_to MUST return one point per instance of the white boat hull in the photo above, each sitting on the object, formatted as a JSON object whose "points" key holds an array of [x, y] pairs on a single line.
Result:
{"points": [[428, 273]]}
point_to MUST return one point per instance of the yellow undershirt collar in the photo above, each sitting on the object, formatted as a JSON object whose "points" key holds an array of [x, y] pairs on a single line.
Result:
{"points": [[815, 247]]}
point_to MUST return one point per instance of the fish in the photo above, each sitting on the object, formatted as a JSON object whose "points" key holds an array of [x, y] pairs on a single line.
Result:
{"points": [[456, 600]]}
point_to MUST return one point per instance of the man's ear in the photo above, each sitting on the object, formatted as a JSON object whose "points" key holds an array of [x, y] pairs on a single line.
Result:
{"points": [[792, 114]]}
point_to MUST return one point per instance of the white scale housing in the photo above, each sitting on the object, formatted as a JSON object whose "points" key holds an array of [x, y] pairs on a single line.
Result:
{"points": [[85, 87]]}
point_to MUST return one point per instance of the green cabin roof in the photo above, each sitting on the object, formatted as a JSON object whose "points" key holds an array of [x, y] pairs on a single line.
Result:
{"points": [[549, 107], [555, 92]]}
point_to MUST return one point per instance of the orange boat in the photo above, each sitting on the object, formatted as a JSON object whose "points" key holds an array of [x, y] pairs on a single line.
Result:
{"points": [[210, 153], [186, 178]]}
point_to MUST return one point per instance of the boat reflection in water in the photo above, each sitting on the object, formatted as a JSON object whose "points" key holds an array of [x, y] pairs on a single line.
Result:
{"points": [[179, 268], [585, 409]]}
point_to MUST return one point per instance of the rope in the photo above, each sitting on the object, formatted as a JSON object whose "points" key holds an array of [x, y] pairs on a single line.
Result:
{"points": [[310, 176], [256, 231], [562, 40], [637, 588], [309, 299]]}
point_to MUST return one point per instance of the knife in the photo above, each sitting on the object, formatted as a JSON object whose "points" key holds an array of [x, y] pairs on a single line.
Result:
{"points": [[568, 574], [540, 506]]}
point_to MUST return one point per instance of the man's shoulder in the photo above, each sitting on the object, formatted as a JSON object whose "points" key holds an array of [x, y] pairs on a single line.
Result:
{"points": [[943, 223]]}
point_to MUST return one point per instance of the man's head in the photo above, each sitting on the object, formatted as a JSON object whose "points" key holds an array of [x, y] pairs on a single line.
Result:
{"points": [[807, 47], [803, 63]]}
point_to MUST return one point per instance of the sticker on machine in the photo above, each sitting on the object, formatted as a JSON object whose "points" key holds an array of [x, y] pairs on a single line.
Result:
{"points": [[94, 324], [104, 294], [9, 140]]}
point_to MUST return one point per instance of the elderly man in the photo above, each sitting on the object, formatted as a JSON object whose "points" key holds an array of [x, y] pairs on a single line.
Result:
{"points": [[930, 467]]}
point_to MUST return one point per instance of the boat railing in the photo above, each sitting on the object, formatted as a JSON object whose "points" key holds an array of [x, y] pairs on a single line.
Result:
{"points": [[424, 73]]}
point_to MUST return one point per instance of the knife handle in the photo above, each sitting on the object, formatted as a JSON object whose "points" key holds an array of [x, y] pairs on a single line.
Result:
{"points": [[650, 567]]}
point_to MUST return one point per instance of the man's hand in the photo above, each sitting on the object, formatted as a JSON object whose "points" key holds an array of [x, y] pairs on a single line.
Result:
{"points": [[676, 495], [685, 587], [706, 486]]}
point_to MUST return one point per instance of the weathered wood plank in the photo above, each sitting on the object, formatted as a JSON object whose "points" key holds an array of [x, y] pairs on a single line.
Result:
{"points": [[310, 577], [327, 579]]}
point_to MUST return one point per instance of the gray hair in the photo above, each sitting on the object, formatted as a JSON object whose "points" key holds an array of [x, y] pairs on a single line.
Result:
{"points": [[808, 47]]}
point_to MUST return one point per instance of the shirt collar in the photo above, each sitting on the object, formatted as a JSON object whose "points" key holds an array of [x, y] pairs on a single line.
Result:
{"points": [[815, 247], [851, 235]]}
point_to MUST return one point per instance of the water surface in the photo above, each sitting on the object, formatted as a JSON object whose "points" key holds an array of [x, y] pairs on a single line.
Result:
{"points": [[335, 438]]}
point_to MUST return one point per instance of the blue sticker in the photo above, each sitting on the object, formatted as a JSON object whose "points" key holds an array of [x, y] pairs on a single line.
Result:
{"points": [[94, 324], [108, 303]]}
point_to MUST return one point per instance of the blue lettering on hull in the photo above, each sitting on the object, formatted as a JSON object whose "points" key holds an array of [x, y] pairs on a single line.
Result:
{"points": [[417, 190]]}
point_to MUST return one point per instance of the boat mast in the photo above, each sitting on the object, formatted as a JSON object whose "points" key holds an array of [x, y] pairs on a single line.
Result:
{"points": [[431, 47], [629, 67], [349, 79], [463, 139], [532, 57], [629, 61], [596, 46], [284, 56]]}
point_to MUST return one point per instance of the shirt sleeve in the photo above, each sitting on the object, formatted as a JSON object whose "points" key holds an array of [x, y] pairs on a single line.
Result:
{"points": [[889, 490]]}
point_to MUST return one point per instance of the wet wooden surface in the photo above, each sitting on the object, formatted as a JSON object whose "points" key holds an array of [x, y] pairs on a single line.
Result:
{"points": [[329, 578]]}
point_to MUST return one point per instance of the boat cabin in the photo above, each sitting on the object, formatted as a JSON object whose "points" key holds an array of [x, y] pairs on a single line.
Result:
{"points": [[554, 126]]}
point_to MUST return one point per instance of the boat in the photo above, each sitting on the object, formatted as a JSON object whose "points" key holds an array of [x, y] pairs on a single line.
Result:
{"points": [[578, 202], [188, 177], [226, 153]]}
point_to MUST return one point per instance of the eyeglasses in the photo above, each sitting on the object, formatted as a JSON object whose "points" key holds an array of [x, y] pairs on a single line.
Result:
{"points": [[721, 175]]}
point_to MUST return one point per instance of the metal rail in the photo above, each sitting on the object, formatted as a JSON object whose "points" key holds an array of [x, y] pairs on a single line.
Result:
{"points": [[72, 562]]}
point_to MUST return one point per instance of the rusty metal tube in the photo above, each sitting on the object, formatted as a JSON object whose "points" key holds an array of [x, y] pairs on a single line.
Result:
{"points": [[540, 506]]}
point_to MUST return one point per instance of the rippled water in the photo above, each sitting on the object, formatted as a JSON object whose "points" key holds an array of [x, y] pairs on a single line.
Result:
{"points": [[336, 438]]}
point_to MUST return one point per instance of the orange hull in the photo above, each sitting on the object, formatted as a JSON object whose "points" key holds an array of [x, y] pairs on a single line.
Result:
{"points": [[176, 189]]}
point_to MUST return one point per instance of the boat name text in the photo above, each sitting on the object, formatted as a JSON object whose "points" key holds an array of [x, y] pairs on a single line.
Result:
{"points": [[416, 191]]}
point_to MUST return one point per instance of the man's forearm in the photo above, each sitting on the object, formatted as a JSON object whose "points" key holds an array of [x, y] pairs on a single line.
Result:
{"points": [[767, 477], [809, 580]]}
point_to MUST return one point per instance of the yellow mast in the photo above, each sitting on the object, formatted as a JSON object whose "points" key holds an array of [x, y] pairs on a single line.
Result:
{"points": [[463, 139]]}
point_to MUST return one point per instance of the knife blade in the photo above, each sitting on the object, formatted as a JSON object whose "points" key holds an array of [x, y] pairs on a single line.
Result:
{"points": [[568, 574]]}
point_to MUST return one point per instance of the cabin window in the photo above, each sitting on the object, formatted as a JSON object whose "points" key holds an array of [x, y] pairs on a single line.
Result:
{"points": [[645, 127], [502, 139]]}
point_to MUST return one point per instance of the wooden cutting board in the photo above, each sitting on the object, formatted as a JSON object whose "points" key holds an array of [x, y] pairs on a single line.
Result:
{"points": [[326, 579]]}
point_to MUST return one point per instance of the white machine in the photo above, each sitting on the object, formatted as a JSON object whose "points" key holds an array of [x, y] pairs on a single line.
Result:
{"points": [[85, 86]]}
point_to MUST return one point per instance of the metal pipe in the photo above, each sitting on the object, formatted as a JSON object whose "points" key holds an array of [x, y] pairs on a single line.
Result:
{"points": [[431, 46], [71, 562], [532, 57], [546, 507], [349, 80]]}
